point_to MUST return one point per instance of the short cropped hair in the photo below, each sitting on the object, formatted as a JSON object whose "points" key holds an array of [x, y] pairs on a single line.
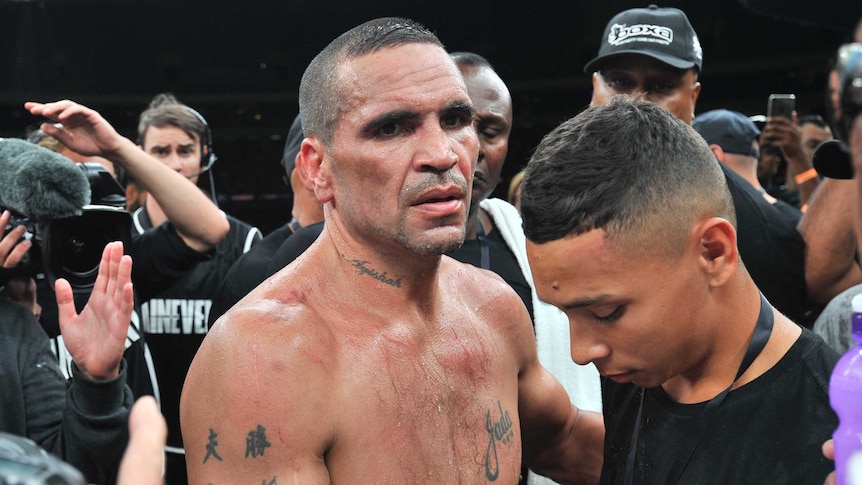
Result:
{"points": [[629, 168], [165, 110], [320, 94]]}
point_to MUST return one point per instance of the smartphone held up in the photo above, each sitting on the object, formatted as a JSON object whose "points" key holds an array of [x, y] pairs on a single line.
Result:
{"points": [[781, 105]]}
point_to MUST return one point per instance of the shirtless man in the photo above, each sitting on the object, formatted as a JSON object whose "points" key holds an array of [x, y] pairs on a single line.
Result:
{"points": [[373, 358]]}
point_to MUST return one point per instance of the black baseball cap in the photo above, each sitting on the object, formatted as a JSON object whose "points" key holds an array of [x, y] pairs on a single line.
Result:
{"points": [[732, 131], [291, 148], [661, 33]]}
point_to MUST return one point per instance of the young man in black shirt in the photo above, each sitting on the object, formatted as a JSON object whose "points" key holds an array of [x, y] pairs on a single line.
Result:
{"points": [[631, 232]]}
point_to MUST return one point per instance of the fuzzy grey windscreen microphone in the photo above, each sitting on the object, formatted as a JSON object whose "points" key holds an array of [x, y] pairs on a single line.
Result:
{"points": [[39, 183]]}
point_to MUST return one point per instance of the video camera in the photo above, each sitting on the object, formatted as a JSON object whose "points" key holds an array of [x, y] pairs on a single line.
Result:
{"points": [[71, 247]]}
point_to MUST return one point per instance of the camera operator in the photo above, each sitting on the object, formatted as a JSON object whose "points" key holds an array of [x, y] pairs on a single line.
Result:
{"points": [[174, 205], [195, 225], [82, 422]]}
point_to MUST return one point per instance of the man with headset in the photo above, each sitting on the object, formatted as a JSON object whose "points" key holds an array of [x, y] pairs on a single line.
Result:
{"points": [[173, 320]]}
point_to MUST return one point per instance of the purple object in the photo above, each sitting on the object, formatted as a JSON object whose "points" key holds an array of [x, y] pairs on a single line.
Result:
{"points": [[845, 396]]}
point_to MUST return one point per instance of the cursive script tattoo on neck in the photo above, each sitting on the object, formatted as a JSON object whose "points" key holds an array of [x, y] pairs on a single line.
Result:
{"points": [[363, 269], [501, 431]]}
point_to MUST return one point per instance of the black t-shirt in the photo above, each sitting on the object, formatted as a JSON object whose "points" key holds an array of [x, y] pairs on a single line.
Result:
{"points": [[782, 193], [174, 318], [771, 248], [247, 272], [769, 431], [293, 247]]}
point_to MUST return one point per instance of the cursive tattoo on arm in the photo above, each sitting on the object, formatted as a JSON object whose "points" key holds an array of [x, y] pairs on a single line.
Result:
{"points": [[498, 431], [363, 269]]}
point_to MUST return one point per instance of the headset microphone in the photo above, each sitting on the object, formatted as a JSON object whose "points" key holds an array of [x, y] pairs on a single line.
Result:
{"points": [[208, 156]]}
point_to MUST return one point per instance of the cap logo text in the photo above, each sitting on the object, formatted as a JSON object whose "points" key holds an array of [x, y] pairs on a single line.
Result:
{"points": [[623, 34]]}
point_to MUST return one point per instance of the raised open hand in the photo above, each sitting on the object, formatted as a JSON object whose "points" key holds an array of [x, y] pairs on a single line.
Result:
{"points": [[81, 129], [96, 337]]}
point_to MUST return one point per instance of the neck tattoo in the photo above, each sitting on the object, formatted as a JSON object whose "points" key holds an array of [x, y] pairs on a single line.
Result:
{"points": [[362, 268]]}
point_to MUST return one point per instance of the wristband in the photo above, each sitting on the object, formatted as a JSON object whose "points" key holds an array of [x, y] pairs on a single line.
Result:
{"points": [[805, 176]]}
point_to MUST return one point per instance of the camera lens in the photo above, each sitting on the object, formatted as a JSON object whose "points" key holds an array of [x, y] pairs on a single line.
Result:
{"points": [[74, 245], [81, 248]]}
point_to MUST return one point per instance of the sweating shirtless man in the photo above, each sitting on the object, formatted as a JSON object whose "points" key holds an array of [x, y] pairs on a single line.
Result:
{"points": [[373, 358]]}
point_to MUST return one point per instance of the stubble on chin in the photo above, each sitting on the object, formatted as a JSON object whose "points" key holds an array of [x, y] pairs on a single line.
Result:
{"points": [[434, 247]]}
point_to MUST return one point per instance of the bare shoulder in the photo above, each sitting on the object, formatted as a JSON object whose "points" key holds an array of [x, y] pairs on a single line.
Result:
{"points": [[279, 315], [495, 302], [251, 403], [477, 283]]}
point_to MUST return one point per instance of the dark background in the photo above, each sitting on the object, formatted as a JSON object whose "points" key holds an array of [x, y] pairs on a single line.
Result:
{"points": [[239, 64]]}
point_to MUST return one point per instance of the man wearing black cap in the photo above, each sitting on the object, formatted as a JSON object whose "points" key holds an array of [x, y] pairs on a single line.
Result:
{"points": [[306, 209], [251, 268], [654, 53], [651, 52]]}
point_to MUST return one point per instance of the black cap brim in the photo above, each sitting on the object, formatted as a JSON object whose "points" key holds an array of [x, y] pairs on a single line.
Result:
{"points": [[676, 62]]}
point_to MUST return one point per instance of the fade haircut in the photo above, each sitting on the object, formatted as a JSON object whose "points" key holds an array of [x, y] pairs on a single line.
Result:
{"points": [[630, 168], [165, 110], [320, 94]]}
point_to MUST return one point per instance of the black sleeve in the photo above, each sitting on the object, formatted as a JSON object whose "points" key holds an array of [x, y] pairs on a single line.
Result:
{"points": [[159, 257], [95, 424], [294, 247], [248, 271], [771, 248], [81, 421]]}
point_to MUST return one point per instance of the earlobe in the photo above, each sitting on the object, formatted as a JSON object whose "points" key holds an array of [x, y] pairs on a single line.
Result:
{"points": [[718, 254]]}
